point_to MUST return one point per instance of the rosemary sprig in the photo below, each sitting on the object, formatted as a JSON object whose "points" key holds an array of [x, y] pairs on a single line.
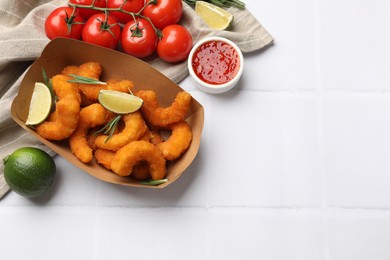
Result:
{"points": [[154, 182], [85, 80], [110, 127], [48, 84]]}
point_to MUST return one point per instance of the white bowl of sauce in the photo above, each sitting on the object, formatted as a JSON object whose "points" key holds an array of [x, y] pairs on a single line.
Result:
{"points": [[216, 64]]}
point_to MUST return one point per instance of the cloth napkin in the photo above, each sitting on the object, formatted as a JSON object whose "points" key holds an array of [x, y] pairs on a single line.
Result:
{"points": [[22, 39]]}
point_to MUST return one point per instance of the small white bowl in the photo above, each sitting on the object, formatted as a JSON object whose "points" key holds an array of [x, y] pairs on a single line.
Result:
{"points": [[216, 88]]}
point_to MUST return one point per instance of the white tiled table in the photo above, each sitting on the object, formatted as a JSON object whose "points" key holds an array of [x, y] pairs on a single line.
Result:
{"points": [[294, 164]]}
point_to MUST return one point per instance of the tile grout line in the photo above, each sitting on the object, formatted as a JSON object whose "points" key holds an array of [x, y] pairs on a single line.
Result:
{"points": [[320, 129]]}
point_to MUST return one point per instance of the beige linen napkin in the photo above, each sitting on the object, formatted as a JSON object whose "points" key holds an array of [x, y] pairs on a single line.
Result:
{"points": [[22, 39]]}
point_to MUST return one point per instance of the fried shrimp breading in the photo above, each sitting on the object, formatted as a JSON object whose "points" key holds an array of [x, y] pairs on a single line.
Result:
{"points": [[91, 91], [131, 154], [135, 127], [152, 136], [141, 171], [90, 116], [71, 69], [178, 142], [93, 70], [64, 120], [64, 89], [159, 116], [104, 157], [122, 85]]}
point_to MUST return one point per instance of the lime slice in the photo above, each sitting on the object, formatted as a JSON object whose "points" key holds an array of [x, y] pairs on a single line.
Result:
{"points": [[40, 104], [213, 16], [119, 102]]}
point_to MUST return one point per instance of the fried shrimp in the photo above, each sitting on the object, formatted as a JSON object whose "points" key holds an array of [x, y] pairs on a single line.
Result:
{"points": [[152, 136], [178, 142], [122, 86], [93, 70], [64, 120], [71, 69], [128, 156], [161, 117], [90, 117], [135, 127], [104, 157]]}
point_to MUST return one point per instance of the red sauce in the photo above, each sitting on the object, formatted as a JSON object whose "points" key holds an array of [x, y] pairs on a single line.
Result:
{"points": [[216, 62]]}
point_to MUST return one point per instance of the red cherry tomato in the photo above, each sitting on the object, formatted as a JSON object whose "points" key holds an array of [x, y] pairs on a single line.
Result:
{"points": [[164, 13], [102, 30], [176, 43], [85, 12], [139, 38], [62, 22], [132, 6]]}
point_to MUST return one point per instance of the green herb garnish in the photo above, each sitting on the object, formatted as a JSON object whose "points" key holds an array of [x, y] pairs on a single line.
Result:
{"points": [[110, 127], [48, 84], [154, 182], [85, 80]]}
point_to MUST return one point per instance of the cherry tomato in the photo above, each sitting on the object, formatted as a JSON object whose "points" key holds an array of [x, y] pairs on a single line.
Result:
{"points": [[176, 43], [62, 22], [139, 38], [133, 6], [85, 12], [164, 13], [102, 30]]}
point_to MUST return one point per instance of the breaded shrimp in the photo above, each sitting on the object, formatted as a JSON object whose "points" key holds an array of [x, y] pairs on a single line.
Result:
{"points": [[122, 85], [90, 117], [93, 70], [178, 142], [71, 69], [135, 127], [131, 154], [104, 157], [63, 121], [161, 117]]}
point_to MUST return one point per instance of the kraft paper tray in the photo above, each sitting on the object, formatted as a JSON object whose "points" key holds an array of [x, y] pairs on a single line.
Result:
{"points": [[62, 52]]}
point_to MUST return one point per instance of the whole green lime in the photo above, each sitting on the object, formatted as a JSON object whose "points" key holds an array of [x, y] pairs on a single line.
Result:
{"points": [[29, 171]]}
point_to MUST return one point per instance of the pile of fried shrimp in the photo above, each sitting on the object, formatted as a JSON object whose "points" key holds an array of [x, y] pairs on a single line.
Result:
{"points": [[137, 147]]}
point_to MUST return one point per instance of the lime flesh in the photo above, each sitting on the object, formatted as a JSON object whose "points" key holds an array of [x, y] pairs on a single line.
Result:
{"points": [[213, 16], [119, 102], [40, 105]]}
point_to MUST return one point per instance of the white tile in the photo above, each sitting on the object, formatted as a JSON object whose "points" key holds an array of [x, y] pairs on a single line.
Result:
{"points": [[359, 236], [353, 44], [290, 62], [47, 232], [252, 234], [356, 150], [264, 150], [161, 233]]}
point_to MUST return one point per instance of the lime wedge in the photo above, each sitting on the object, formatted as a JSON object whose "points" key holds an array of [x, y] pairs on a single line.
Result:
{"points": [[40, 104], [213, 16], [119, 102]]}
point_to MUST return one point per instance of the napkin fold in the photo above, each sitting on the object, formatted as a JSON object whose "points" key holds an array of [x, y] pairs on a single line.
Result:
{"points": [[22, 39]]}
